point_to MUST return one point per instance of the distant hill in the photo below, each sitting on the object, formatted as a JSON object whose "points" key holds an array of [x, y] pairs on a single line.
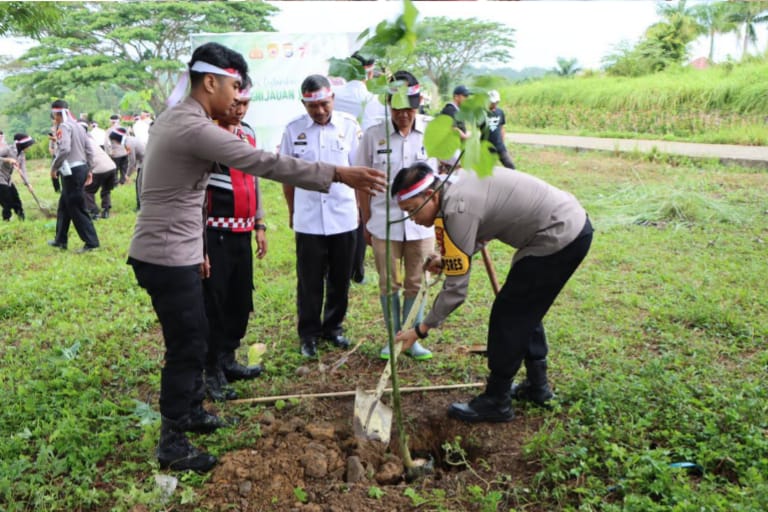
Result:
{"points": [[513, 75]]}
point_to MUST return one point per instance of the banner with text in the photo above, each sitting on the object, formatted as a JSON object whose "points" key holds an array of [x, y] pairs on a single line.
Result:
{"points": [[277, 63]]}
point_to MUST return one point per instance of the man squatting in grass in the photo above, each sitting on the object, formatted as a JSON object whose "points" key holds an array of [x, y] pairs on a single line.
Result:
{"points": [[552, 233], [166, 251]]}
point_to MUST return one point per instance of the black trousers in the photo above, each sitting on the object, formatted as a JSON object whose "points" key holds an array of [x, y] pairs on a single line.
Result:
{"points": [[505, 159], [121, 162], [323, 270], [10, 201], [72, 209], [177, 297], [358, 261], [515, 330], [106, 182], [228, 291]]}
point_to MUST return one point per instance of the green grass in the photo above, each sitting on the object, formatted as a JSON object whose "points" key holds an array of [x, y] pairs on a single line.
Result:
{"points": [[658, 350], [722, 104]]}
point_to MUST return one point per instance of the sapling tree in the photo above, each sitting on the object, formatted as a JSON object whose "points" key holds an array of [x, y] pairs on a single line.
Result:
{"points": [[441, 140]]}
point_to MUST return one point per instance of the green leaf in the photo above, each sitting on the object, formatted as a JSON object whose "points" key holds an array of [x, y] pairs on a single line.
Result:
{"points": [[478, 157], [473, 110], [300, 494], [399, 91], [348, 69], [440, 138]]}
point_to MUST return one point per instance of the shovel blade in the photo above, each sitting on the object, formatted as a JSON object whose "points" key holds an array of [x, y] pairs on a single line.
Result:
{"points": [[373, 419]]}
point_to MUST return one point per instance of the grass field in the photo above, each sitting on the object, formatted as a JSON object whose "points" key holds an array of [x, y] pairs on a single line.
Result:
{"points": [[658, 351], [724, 104]]}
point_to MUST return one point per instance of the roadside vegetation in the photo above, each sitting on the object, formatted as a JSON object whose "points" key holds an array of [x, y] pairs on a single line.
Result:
{"points": [[658, 354], [722, 104]]}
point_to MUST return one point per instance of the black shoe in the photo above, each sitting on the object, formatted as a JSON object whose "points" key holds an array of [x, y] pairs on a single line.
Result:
{"points": [[338, 341], [176, 452], [105, 214], [483, 408], [526, 391], [94, 214], [216, 386], [86, 248], [235, 371], [202, 422], [309, 347], [54, 243], [535, 387]]}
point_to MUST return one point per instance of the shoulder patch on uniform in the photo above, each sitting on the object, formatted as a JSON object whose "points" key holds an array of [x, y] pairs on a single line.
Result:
{"points": [[455, 262]]}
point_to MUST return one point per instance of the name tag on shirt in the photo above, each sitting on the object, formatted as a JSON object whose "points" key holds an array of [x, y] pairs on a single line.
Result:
{"points": [[383, 151], [299, 143]]}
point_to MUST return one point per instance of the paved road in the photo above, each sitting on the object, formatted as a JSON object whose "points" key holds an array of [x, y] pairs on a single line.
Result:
{"points": [[749, 156]]}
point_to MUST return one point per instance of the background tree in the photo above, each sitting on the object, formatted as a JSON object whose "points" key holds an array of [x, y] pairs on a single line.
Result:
{"points": [[714, 18], [448, 46], [28, 18], [136, 46], [566, 67], [748, 15]]}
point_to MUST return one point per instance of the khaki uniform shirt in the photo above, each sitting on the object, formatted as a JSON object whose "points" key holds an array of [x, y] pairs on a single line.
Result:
{"points": [[404, 152], [71, 146], [183, 147], [515, 208]]}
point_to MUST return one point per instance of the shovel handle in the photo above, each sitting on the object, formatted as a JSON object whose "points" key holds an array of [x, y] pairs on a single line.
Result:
{"points": [[489, 268]]}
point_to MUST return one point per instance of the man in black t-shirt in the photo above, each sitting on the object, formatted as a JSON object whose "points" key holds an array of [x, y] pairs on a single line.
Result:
{"points": [[460, 93], [493, 131]]}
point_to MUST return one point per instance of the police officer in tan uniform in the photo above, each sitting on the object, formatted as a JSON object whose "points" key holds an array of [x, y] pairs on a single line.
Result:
{"points": [[72, 162], [166, 250], [552, 235]]}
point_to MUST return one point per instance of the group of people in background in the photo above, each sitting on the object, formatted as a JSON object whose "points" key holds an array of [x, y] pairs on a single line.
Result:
{"points": [[200, 203]]}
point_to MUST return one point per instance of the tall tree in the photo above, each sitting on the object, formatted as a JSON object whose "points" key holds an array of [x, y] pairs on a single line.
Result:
{"points": [[678, 29], [28, 18], [714, 18], [137, 46], [748, 15], [449, 45]]}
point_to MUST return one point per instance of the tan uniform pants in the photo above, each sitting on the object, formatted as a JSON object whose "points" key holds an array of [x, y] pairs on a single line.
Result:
{"points": [[412, 254]]}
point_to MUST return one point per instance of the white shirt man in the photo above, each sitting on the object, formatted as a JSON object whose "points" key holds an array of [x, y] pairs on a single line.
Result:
{"points": [[409, 242], [325, 224], [141, 128]]}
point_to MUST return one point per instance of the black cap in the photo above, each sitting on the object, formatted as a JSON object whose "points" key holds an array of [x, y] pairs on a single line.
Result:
{"points": [[461, 90]]}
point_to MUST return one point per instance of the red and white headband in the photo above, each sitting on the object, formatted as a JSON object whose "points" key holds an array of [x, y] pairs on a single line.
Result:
{"points": [[412, 90], [203, 67], [318, 95], [417, 188], [24, 140], [244, 94], [198, 67]]}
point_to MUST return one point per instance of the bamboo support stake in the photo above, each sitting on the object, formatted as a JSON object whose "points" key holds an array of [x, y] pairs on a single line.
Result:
{"points": [[339, 394]]}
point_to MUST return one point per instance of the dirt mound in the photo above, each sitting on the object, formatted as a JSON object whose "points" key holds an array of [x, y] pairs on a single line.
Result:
{"points": [[320, 466]]}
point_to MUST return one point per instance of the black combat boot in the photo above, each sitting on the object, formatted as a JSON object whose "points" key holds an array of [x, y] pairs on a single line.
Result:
{"points": [[235, 371], [201, 421], [493, 406], [216, 385], [535, 387], [176, 452]]}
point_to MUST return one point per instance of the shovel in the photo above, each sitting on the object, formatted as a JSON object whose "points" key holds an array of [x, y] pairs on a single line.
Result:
{"points": [[43, 207], [373, 419]]}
